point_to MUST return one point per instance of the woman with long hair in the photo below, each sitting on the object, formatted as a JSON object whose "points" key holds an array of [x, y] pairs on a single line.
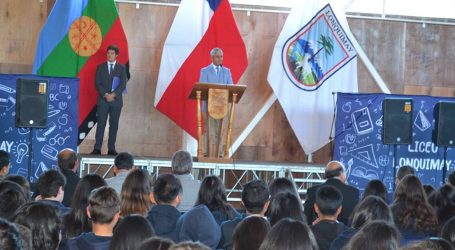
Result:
{"points": [[376, 235], [250, 233], [135, 196], [285, 205], [289, 234], [130, 232]]}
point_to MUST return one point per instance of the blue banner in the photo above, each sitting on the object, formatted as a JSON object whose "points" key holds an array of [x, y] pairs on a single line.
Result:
{"points": [[358, 141], [46, 143]]}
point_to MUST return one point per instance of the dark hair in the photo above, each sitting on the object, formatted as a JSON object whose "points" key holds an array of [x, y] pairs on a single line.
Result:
{"points": [[328, 199], [182, 162], [189, 245], [9, 236], [43, 221], [12, 196], [282, 185], [285, 205], [135, 194], [255, 195], [334, 172], [451, 178], [166, 188], [410, 206], [289, 234], [66, 159], [250, 233], [430, 244], [156, 243], [50, 182], [103, 204], [443, 203], [21, 181], [376, 235], [371, 208], [130, 232], [77, 221], [377, 188], [212, 193], [124, 160], [448, 231], [114, 48], [405, 170], [4, 159], [26, 236], [429, 190]]}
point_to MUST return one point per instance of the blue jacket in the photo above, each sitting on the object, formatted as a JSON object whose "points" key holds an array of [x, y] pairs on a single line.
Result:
{"points": [[209, 75], [87, 241], [163, 219]]}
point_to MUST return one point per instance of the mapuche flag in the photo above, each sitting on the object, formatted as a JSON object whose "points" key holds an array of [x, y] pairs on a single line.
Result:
{"points": [[73, 42], [198, 27]]}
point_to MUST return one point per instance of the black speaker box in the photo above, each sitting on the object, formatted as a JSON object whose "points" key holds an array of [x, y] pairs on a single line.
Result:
{"points": [[31, 103], [444, 131], [397, 121]]}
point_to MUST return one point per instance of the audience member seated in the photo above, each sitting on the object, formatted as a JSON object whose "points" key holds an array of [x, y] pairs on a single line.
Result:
{"points": [[4, 164], [198, 224], [156, 243], [448, 231], [328, 206], [285, 205], [371, 208], [123, 163], [44, 223], [335, 174], [77, 221], [166, 194], [22, 182], [12, 196], [104, 212], [443, 203], [10, 238], [255, 199], [429, 190], [412, 214], [289, 234], [250, 233], [182, 165], [51, 186], [135, 197], [375, 187], [68, 162], [376, 235], [404, 171], [189, 246], [430, 244], [130, 232], [283, 185], [212, 193]]}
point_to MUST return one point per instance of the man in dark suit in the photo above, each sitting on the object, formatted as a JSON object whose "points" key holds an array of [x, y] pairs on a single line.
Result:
{"points": [[68, 162], [110, 82], [336, 176]]}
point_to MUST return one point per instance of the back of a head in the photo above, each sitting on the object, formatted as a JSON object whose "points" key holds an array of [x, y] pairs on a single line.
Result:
{"points": [[429, 190], [250, 233], [103, 205], [255, 195], [448, 231], [130, 232], [289, 234], [282, 185], [443, 202], [19, 180], [156, 243], [66, 159], [9, 236], [124, 160], [405, 170], [166, 188], [377, 188], [135, 194], [50, 182], [430, 244], [376, 235], [12, 196], [285, 205], [334, 169], [212, 193], [371, 208], [182, 162], [189, 245], [328, 200], [44, 223], [4, 159]]}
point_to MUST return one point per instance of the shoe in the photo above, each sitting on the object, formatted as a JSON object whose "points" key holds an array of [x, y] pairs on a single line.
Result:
{"points": [[112, 152], [96, 152]]}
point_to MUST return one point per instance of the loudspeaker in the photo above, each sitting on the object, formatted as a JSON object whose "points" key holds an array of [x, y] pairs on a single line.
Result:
{"points": [[444, 131], [397, 121], [31, 103]]}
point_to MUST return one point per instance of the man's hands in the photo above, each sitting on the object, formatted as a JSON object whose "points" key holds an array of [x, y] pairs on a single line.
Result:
{"points": [[109, 97]]}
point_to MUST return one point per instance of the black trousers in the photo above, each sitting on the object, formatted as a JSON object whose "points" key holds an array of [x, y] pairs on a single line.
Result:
{"points": [[103, 110]]}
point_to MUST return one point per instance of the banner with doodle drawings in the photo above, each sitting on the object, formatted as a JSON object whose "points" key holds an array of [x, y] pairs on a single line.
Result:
{"points": [[359, 146], [61, 131]]}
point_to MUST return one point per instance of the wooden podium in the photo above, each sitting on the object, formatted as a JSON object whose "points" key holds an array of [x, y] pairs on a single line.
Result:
{"points": [[218, 97]]}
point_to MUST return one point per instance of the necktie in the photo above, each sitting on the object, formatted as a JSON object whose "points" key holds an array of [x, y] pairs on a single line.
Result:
{"points": [[217, 69], [111, 68]]}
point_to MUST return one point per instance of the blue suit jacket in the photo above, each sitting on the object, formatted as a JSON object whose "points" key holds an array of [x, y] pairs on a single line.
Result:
{"points": [[209, 75]]}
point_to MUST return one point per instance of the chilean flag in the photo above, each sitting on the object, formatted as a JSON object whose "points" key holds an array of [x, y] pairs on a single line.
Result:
{"points": [[198, 27]]}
